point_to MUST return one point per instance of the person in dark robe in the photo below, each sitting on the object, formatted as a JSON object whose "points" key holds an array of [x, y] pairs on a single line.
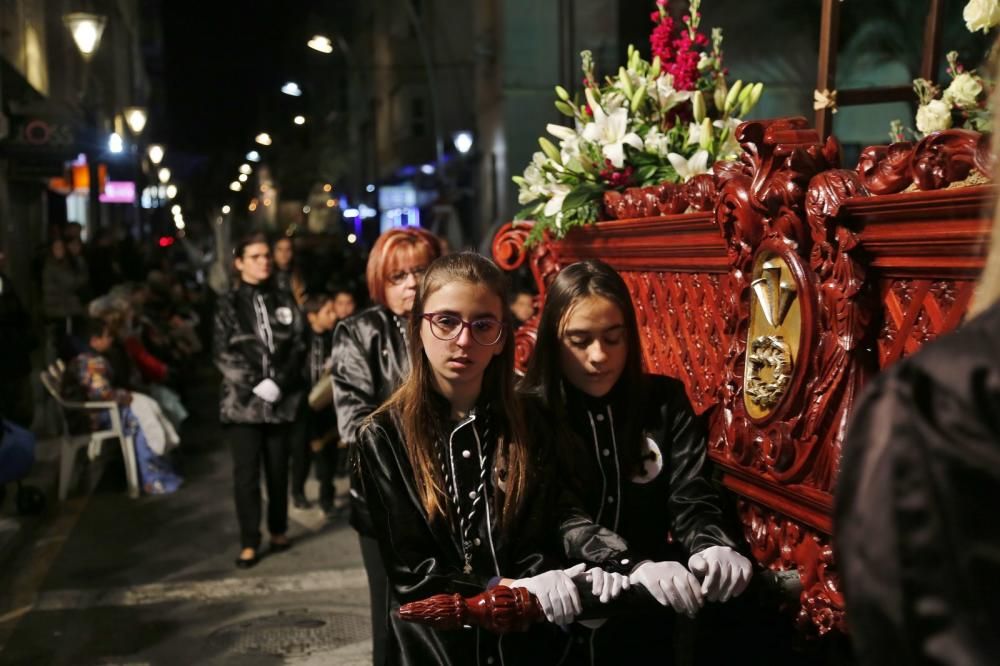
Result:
{"points": [[916, 532]]}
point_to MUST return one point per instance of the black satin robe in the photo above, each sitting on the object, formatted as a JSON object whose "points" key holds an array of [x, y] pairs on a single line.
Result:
{"points": [[669, 511], [370, 361], [917, 530], [259, 333], [424, 557]]}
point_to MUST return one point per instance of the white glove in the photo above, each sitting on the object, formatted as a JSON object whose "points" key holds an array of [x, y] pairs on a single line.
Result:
{"points": [[605, 585], [670, 584], [724, 572], [556, 593], [267, 391]]}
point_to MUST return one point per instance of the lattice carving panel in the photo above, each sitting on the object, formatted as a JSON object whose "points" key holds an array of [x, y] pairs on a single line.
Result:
{"points": [[683, 329], [917, 311]]}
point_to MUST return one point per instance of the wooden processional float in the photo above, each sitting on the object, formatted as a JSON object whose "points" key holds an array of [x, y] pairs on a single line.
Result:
{"points": [[786, 284]]}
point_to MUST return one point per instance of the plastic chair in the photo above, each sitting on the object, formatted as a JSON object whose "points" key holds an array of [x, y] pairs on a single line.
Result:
{"points": [[52, 379]]}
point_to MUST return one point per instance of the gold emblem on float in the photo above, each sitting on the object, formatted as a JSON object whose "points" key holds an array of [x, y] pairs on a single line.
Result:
{"points": [[774, 335]]}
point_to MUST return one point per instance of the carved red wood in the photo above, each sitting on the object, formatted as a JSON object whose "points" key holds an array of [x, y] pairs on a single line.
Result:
{"points": [[500, 610], [880, 272]]}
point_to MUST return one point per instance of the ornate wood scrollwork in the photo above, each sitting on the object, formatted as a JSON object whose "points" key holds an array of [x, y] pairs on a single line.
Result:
{"points": [[763, 209], [780, 544], [697, 194], [937, 161], [510, 253]]}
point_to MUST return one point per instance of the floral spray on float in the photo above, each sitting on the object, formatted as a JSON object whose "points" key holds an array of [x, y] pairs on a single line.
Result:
{"points": [[966, 102], [660, 121]]}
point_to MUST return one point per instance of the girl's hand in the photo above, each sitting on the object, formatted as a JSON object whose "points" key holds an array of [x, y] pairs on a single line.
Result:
{"points": [[556, 593], [724, 572], [670, 584], [605, 585]]}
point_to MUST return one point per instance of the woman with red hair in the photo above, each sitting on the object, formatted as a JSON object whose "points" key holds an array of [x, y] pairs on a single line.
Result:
{"points": [[370, 362]]}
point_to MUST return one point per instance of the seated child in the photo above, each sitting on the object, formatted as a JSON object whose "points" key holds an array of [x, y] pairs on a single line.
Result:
{"points": [[89, 377]]}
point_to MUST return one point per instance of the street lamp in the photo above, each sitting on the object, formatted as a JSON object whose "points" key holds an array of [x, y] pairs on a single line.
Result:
{"points": [[299, 120], [462, 141], [164, 175], [320, 43], [155, 152], [292, 88], [135, 118], [253, 156], [245, 168], [86, 29], [263, 139]]}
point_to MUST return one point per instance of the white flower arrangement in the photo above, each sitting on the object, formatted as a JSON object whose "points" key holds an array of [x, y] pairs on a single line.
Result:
{"points": [[664, 120], [964, 103]]}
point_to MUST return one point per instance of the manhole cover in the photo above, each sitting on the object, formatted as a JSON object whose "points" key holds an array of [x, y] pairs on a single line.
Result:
{"points": [[290, 633]]}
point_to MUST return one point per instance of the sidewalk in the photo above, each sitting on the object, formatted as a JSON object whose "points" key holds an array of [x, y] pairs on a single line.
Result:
{"points": [[102, 579]]}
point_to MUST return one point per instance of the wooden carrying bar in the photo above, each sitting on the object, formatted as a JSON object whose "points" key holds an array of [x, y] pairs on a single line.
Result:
{"points": [[777, 301]]}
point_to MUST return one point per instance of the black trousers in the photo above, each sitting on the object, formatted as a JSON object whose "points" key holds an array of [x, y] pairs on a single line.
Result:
{"points": [[253, 445], [308, 426], [378, 594]]}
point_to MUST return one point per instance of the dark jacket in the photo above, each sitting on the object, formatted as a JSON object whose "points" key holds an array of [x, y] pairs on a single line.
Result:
{"points": [[314, 370], [667, 511], [259, 334], [370, 360], [916, 531], [424, 557], [674, 479]]}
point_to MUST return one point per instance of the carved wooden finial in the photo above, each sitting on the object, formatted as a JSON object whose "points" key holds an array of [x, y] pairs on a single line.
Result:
{"points": [[499, 610]]}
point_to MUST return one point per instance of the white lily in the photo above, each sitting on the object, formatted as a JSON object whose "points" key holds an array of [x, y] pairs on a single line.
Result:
{"points": [[656, 142], [667, 97], [689, 168], [610, 131], [555, 204], [560, 132], [534, 185]]}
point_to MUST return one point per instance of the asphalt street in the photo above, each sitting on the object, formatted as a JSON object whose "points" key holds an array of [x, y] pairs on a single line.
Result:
{"points": [[102, 579]]}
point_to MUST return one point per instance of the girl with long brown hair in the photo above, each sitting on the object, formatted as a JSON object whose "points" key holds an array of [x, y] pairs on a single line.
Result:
{"points": [[452, 479], [634, 452]]}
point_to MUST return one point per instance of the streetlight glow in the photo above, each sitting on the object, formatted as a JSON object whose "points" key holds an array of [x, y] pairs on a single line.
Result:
{"points": [[351, 238], [299, 120], [171, 191], [263, 139], [253, 156], [320, 43], [135, 118], [235, 186], [242, 177], [226, 209], [245, 168], [292, 88], [155, 153], [115, 143], [164, 175], [175, 210], [86, 30], [462, 141]]}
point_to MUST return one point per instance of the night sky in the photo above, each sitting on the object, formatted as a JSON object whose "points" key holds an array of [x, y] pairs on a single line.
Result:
{"points": [[224, 66]]}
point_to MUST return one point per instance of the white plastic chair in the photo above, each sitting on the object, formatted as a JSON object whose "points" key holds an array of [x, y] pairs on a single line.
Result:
{"points": [[52, 379]]}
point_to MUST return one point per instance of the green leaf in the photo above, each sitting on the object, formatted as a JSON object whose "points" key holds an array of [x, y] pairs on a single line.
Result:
{"points": [[581, 195]]}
